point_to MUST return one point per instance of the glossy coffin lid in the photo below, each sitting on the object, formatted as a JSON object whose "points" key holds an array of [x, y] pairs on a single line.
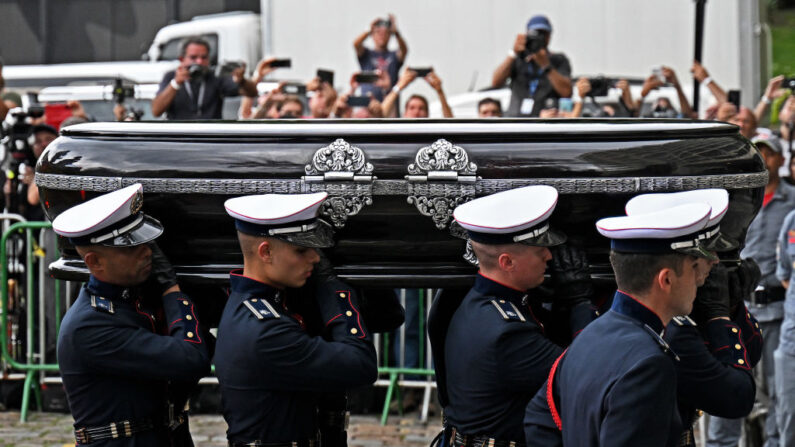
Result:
{"points": [[392, 184]]}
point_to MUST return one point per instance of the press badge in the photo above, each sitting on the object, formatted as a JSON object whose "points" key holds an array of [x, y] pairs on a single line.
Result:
{"points": [[527, 106]]}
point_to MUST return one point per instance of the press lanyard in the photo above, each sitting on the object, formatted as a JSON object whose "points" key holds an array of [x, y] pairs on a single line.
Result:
{"points": [[189, 91], [532, 86]]}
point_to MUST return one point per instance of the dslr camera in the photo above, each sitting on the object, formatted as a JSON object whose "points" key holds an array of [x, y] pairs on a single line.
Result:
{"points": [[599, 86], [222, 70], [534, 41], [197, 72]]}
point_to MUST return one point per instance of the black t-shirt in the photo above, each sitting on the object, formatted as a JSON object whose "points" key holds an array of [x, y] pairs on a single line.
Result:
{"points": [[211, 91], [529, 81]]}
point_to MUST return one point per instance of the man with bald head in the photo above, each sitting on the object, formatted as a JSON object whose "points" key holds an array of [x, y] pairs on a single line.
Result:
{"points": [[129, 355]]}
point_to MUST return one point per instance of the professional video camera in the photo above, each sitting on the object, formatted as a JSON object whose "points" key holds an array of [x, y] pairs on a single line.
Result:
{"points": [[16, 134], [16, 139]]}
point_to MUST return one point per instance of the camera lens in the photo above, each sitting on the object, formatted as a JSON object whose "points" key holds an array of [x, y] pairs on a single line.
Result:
{"points": [[196, 71]]}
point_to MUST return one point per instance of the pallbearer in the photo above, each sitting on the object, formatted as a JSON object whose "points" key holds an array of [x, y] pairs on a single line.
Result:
{"points": [[491, 353], [616, 384], [272, 371], [720, 341], [128, 354]]}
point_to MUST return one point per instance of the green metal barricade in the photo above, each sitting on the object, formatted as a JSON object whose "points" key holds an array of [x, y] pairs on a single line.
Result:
{"points": [[395, 372], [30, 368]]}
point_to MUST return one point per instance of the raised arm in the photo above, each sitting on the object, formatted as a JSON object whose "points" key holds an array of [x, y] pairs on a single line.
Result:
{"points": [[772, 91], [390, 101], [702, 75], [436, 83], [503, 71], [670, 76], [403, 49], [168, 90]]}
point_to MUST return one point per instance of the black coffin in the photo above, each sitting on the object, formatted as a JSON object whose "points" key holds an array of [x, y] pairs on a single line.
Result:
{"points": [[392, 183]]}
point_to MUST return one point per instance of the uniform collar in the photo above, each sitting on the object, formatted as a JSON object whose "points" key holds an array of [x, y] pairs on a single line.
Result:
{"points": [[782, 191], [627, 305], [490, 287], [250, 287], [107, 290]]}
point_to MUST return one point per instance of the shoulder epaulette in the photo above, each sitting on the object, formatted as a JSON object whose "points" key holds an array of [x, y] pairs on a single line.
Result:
{"points": [[684, 321], [261, 308], [666, 348], [102, 304], [507, 310]]}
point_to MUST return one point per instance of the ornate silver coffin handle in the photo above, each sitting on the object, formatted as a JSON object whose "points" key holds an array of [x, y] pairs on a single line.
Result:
{"points": [[341, 170], [440, 179]]}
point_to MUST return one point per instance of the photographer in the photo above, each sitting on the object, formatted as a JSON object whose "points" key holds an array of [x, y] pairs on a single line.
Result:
{"points": [[193, 91], [323, 98], [417, 105], [773, 91], [664, 109], [344, 108], [26, 189], [624, 107], [536, 73], [269, 104], [380, 58]]}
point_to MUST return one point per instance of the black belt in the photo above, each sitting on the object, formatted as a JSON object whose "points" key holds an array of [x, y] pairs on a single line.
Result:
{"points": [[114, 430], [482, 441], [769, 295], [308, 443]]}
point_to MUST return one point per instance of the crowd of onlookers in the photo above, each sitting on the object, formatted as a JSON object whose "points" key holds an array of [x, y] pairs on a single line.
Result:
{"points": [[540, 82]]}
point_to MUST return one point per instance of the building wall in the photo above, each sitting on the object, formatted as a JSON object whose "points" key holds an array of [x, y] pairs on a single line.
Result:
{"points": [[465, 40], [57, 31]]}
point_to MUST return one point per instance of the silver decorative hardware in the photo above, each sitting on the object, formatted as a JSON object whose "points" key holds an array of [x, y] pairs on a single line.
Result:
{"points": [[341, 170], [448, 165], [469, 254], [442, 161], [339, 161]]}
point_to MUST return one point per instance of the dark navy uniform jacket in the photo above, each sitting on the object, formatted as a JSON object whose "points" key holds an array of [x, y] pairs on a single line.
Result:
{"points": [[495, 357], [714, 374], [615, 385], [272, 372], [116, 366]]}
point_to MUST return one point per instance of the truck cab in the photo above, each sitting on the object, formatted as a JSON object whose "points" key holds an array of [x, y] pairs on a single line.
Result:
{"points": [[233, 36]]}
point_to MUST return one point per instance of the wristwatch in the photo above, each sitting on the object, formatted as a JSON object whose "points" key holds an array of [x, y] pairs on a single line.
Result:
{"points": [[174, 84]]}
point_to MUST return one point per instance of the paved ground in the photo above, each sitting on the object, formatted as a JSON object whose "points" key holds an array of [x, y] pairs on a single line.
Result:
{"points": [[55, 430]]}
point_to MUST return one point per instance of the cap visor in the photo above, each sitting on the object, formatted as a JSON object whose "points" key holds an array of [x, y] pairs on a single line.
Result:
{"points": [[698, 251], [148, 230], [721, 244], [321, 236], [549, 238]]}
